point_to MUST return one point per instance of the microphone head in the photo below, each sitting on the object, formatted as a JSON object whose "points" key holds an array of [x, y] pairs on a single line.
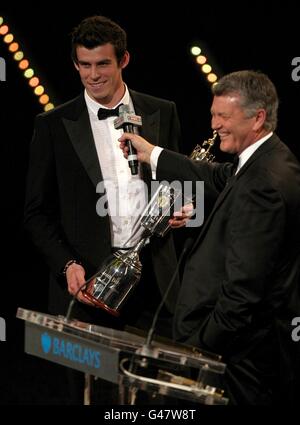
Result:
{"points": [[127, 117], [123, 109]]}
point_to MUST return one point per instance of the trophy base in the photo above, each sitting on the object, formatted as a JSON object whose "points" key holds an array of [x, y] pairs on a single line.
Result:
{"points": [[100, 304]]}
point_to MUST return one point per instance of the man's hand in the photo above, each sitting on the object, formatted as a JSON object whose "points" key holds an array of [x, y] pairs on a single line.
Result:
{"points": [[75, 276], [143, 148], [180, 218]]}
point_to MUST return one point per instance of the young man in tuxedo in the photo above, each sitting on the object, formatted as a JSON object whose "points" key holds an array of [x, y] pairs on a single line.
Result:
{"points": [[74, 149]]}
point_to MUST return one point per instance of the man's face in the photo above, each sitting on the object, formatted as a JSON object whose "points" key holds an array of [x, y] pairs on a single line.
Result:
{"points": [[101, 74], [236, 131]]}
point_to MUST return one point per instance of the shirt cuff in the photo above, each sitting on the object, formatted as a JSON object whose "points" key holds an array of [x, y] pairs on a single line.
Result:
{"points": [[154, 159]]}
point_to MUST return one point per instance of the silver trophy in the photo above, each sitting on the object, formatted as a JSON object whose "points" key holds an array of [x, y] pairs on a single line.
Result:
{"points": [[111, 286]]}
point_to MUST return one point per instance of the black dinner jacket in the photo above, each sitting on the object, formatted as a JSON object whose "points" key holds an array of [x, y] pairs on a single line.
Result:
{"points": [[243, 269]]}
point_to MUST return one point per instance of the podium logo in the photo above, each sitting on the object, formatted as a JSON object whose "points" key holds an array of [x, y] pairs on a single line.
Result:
{"points": [[73, 352], [46, 342]]}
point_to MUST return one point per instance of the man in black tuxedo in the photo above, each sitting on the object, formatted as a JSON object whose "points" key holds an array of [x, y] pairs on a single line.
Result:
{"points": [[240, 288], [74, 149]]}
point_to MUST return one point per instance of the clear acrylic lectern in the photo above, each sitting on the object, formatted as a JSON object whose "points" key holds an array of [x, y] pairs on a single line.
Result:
{"points": [[168, 369]]}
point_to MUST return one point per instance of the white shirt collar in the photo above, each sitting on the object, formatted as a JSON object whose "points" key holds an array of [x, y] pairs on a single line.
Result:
{"points": [[94, 106], [249, 151]]}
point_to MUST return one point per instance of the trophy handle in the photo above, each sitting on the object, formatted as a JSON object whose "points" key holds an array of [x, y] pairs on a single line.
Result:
{"points": [[201, 153]]}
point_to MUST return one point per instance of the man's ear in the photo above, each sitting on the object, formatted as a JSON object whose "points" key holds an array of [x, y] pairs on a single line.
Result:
{"points": [[260, 119], [125, 60], [76, 65]]}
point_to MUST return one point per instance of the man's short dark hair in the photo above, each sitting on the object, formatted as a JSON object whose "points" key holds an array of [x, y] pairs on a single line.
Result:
{"points": [[96, 31]]}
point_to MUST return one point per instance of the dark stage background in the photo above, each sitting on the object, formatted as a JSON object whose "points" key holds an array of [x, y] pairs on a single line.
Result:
{"points": [[250, 36]]}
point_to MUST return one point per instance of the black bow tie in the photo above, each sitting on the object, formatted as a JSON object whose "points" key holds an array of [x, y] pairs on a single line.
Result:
{"points": [[104, 113]]}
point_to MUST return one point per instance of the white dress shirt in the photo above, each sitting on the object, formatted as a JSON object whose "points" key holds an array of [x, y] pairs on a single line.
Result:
{"points": [[249, 151], [125, 193]]}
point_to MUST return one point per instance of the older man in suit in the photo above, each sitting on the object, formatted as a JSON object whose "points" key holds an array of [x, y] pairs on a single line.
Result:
{"points": [[240, 286]]}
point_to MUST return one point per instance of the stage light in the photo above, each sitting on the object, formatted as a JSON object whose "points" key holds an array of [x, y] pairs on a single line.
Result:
{"points": [[13, 47], [8, 38], [206, 68], [33, 82], [4, 29], [195, 50], [44, 99], [39, 90], [28, 73], [24, 64], [201, 59], [18, 55], [212, 78], [48, 107]]}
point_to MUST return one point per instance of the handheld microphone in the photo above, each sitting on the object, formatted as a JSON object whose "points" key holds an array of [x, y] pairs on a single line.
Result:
{"points": [[130, 123]]}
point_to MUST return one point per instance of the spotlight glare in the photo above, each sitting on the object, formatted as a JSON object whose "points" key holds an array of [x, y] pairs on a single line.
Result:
{"points": [[4, 29], [206, 68], [8, 38], [29, 73], [1, 20], [44, 99], [18, 55], [24, 64], [212, 78], [48, 107], [195, 50], [33, 82], [201, 60], [39, 90], [13, 47]]}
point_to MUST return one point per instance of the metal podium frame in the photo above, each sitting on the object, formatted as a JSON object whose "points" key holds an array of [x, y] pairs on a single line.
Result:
{"points": [[109, 354]]}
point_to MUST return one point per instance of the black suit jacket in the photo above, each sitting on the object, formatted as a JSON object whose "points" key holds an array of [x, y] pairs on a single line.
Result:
{"points": [[60, 210], [243, 270]]}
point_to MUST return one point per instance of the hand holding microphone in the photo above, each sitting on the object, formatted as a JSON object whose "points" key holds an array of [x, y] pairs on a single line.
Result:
{"points": [[142, 147], [130, 123]]}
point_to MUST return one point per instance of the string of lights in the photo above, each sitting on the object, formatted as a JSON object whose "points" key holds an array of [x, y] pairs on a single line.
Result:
{"points": [[24, 65], [206, 68]]}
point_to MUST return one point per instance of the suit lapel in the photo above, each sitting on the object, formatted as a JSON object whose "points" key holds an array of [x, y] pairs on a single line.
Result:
{"points": [[262, 150], [81, 136], [217, 205], [150, 117], [80, 133], [150, 125]]}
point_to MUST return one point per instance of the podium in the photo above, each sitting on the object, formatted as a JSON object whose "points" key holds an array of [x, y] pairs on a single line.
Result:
{"points": [[121, 357]]}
